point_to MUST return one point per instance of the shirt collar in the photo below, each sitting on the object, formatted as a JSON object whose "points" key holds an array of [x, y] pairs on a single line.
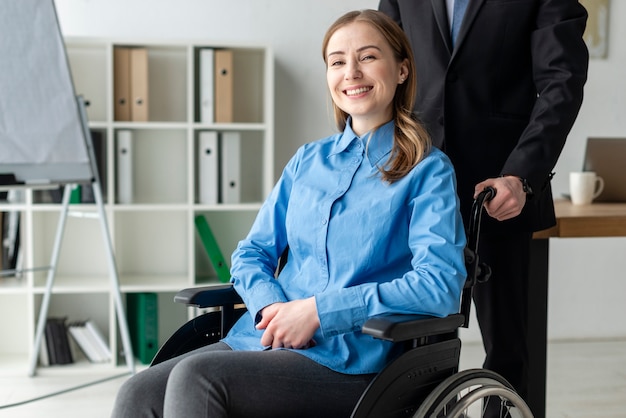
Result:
{"points": [[378, 143]]}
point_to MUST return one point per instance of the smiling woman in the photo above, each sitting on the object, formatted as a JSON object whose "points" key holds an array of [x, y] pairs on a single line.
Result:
{"points": [[371, 78], [300, 342], [362, 75]]}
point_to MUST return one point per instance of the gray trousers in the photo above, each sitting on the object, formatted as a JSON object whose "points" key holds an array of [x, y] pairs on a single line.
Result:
{"points": [[215, 381]]}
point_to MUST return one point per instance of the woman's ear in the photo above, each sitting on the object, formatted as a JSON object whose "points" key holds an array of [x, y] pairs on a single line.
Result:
{"points": [[404, 71]]}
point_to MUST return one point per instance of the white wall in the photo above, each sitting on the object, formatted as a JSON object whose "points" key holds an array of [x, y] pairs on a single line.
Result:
{"points": [[587, 279]]}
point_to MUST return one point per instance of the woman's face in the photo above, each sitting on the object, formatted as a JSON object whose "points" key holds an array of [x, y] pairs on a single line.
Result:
{"points": [[362, 74]]}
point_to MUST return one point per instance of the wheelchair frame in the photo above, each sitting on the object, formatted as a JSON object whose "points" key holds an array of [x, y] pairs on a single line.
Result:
{"points": [[422, 382]]}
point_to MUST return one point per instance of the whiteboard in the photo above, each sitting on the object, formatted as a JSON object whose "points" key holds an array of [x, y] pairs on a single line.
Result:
{"points": [[42, 134]]}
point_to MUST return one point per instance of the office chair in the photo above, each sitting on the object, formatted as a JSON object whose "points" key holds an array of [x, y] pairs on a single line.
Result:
{"points": [[422, 382]]}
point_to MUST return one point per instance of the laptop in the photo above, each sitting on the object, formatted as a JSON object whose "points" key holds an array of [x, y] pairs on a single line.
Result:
{"points": [[607, 157]]}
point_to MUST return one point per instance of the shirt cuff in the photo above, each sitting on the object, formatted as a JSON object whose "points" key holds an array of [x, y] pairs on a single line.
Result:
{"points": [[341, 311]]}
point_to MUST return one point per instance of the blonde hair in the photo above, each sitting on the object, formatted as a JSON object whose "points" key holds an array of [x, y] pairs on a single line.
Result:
{"points": [[411, 140]]}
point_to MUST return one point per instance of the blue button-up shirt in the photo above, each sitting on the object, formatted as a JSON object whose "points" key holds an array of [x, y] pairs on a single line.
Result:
{"points": [[360, 245]]}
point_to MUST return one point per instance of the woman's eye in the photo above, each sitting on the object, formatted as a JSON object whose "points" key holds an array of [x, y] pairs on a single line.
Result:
{"points": [[368, 58]]}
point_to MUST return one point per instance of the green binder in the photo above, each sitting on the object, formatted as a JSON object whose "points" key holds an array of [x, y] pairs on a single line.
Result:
{"points": [[212, 249], [142, 311]]}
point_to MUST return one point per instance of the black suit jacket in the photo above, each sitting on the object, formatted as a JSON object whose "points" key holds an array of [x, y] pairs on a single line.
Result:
{"points": [[504, 100]]}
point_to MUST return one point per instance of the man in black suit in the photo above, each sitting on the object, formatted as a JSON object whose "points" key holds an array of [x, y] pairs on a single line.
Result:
{"points": [[500, 102]]}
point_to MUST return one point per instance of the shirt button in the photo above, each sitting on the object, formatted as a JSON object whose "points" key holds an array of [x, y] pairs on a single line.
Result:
{"points": [[324, 221]]}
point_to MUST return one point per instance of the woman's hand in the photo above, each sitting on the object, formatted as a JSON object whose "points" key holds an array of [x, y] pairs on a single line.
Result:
{"points": [[290, 324]]}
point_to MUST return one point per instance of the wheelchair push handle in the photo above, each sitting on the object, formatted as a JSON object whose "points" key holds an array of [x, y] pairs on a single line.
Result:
{"points": [[484, 196]]}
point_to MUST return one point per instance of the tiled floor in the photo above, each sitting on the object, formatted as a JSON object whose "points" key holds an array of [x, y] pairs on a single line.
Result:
{"points": [[585, 380]]}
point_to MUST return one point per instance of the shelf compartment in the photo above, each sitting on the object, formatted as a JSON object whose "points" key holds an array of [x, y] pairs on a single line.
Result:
{"points": [[167, 81], [158, 166], [150, 244], [82, 252], [251, 165], [248, 93]]}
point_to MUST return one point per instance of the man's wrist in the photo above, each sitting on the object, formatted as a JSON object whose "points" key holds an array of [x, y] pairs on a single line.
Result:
{"points": [[525, 185]]}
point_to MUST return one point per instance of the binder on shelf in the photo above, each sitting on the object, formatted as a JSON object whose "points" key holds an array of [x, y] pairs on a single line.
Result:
{"points": [[121, 83], [208, 167], [206, 83], [224, 83], [212, 248], [124, 166], [130, 84], [230, 167], [143, 324], [139, 84]]}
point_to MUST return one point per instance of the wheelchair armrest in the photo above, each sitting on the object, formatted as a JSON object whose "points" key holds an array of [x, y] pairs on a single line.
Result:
{"points": [[397, 328], [209, 296]]}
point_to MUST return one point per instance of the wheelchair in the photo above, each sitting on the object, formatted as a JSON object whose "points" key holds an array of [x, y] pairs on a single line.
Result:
{"points": [[422, 382]]}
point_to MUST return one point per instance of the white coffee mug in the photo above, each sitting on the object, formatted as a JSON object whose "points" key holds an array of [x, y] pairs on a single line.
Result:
{"points": [[584, 186]]}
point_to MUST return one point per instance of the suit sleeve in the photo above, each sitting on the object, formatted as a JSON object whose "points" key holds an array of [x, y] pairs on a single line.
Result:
{"points": [[560, 60]]}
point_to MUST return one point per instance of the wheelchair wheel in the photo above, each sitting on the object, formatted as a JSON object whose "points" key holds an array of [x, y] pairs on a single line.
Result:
{"points": [[470, 393]]}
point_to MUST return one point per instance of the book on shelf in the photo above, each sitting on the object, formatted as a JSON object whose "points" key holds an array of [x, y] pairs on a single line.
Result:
{"points": [[224, 82], [90, 341], [212, 249], [56, 342], [130, 83], [142, 311]]}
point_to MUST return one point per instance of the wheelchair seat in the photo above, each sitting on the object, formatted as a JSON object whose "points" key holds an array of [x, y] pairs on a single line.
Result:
{"points": [[422, 382]]}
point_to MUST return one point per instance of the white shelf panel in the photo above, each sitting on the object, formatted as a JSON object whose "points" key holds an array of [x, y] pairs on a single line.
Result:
{"points": [[155, 283]]}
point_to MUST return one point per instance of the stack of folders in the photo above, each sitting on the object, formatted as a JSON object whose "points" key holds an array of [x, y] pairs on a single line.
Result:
{"points": [[214, 78], [90, 341], [130, 83], [219, 167]]}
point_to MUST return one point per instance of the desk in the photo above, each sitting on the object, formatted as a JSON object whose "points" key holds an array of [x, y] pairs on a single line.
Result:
{"points": [[595, 220]]}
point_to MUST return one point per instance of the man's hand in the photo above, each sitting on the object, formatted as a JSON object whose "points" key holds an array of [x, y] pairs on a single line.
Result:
{"points": [[290, 324], [509, 200]]}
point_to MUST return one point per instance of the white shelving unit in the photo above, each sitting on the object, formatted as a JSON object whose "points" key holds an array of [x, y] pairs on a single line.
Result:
{"points": [[154, 238]]}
